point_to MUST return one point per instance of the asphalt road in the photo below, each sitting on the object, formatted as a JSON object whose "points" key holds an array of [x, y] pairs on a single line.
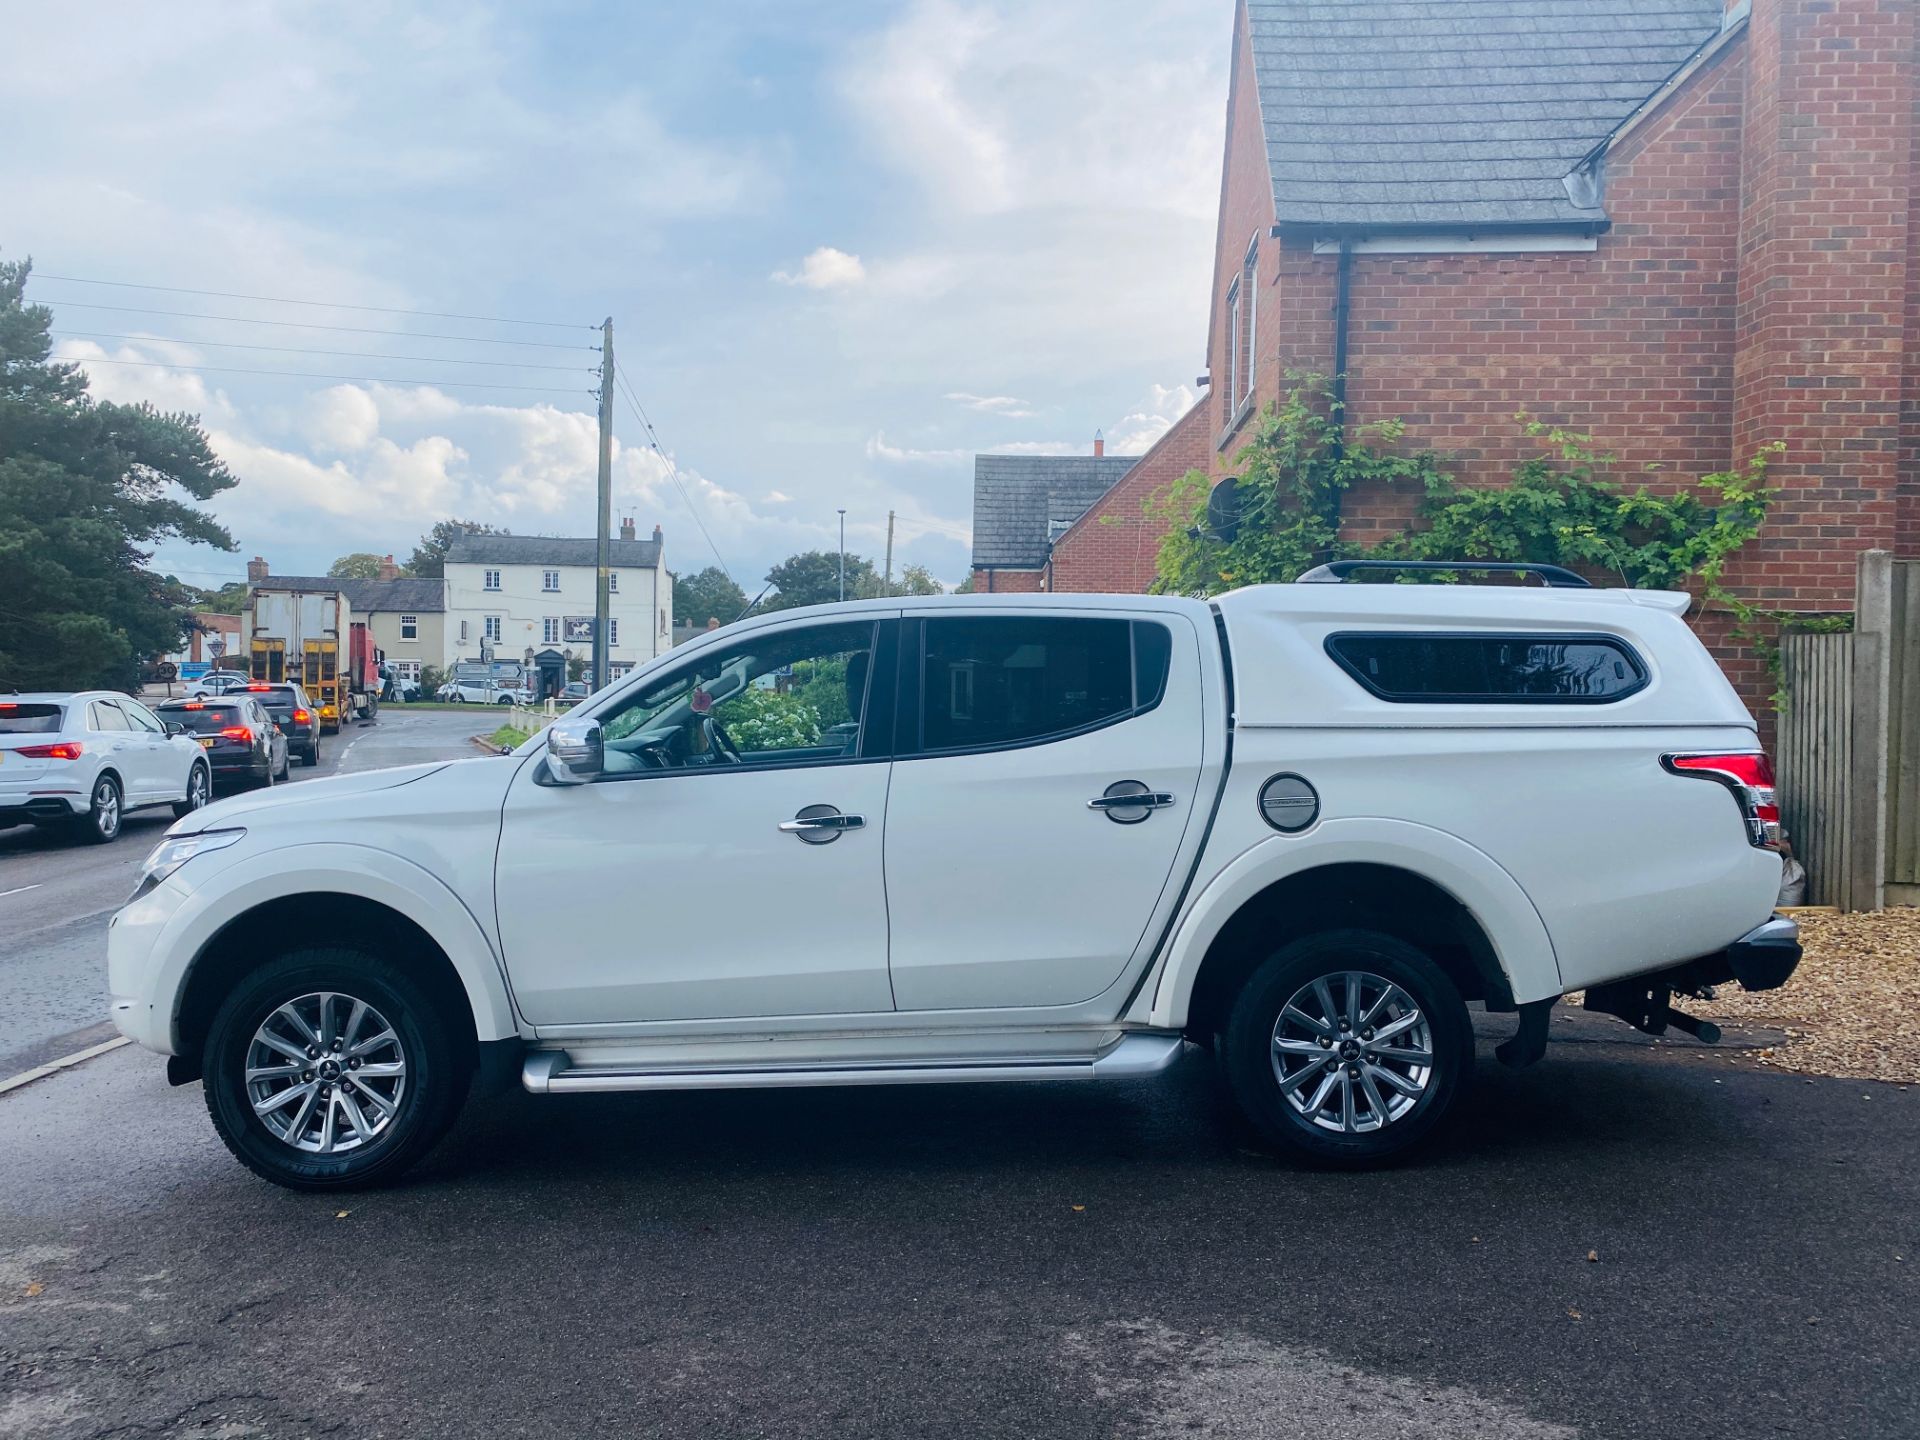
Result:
{"points": [[1048, 1260], [56, 895]]}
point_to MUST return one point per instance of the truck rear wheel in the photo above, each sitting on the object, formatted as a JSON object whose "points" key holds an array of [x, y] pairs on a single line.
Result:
{"points": [[332, 1069], [1348, 1047]]}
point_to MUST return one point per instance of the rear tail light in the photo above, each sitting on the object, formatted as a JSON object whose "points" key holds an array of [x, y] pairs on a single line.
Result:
{"points": [[65, 750], [301, 717], [238, 732], [1748, 777]]}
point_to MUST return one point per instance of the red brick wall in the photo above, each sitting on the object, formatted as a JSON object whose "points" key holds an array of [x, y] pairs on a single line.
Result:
{"points": [[1006, 582], [1824, 284], [1246, 211], [1113, 546]]}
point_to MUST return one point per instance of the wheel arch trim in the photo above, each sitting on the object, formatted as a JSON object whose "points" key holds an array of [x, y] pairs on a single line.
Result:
{"points": [[1521, 944], [362, 872]]}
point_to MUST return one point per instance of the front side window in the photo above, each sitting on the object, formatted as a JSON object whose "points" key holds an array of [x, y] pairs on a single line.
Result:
{"points": [[409, 627], [492, 581], [787, 698], [993, 681], [549, 579], [141, 718], [1490, 669]]}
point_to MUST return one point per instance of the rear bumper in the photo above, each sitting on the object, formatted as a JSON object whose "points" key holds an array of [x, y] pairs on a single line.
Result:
{"points": [[1765, 957]]}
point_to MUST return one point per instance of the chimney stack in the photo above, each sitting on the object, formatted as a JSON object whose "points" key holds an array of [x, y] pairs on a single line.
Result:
{"points": [[626, 528], [657, 538], [1099, 443], [388, 570], [256, 570]]}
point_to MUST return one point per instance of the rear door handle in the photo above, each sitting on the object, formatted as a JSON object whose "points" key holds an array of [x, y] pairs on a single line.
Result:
{"points": [[821, 824], [1133, 800]]}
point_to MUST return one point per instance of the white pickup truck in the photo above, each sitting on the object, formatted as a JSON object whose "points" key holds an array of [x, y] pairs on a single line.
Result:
{"points": [[986, 838]]}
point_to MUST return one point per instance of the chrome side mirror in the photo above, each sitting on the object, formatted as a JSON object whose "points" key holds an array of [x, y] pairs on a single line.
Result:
{"points": [[575, 752]]}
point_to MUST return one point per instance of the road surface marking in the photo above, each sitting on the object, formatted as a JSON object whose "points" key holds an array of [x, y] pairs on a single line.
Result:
{"points": [[65, 1062], [21, 890]]}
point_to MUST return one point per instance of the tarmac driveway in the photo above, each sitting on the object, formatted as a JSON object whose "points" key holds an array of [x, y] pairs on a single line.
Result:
{"points": [[1054, 1260]]}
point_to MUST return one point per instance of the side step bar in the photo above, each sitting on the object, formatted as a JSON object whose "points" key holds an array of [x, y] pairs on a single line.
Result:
{"points": [[1132, 1057]]}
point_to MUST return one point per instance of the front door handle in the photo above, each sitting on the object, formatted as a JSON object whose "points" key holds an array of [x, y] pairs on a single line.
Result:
{"points": [[821, 824]]}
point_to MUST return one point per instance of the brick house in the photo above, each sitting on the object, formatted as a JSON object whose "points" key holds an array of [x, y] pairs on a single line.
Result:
{"points": [[1687, 227]]}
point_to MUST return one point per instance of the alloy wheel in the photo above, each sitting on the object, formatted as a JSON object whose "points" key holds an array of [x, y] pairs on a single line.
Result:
{"points": [[196, 788], [106, 809], [326, 1073], [1352, 1052]]}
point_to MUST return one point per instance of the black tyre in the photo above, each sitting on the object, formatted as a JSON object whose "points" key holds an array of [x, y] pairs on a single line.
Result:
{"points": [[1348, 1047], [332, 1069], [312, 757], [286, 764], [106, 809], [199, 791]]}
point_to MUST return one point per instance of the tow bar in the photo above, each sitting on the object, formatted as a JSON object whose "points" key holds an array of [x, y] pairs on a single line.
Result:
{"points": [[1649, 1007]]}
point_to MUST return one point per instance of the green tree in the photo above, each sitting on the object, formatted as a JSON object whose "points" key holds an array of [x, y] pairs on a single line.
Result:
{"points": [[912, 580], [757, 719], [88, 489], [229, 599], [813, 578], [429, 558], [360, 565], [708, 594]]}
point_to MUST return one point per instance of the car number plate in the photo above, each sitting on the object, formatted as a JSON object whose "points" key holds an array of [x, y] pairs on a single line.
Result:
{"points": [[206, 742]]}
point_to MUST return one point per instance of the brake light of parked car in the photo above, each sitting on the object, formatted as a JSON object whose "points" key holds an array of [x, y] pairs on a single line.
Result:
{"points": [[65, 750], [1748, 777], [238, 732], [301, 717]]}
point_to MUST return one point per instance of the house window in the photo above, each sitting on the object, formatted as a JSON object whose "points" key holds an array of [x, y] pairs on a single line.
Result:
{"points": [[613, 582], [1250, 304], [463, 632], [492, 630], [550, 630], [492, 580], [549, 579], [1233, 343], [613, 632], [409, 627]]}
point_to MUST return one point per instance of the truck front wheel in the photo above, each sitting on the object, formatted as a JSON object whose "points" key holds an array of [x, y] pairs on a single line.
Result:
{"points": [[331, 1069], [1347, 1047]]}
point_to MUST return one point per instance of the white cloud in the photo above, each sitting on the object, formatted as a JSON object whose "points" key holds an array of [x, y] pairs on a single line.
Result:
{"points": [[1143, 426], [879, 449], [1005, 406], [825, 269], [775, 497]]}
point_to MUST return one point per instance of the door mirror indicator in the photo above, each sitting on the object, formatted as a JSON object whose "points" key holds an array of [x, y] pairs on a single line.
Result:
{"points": [[575, 751]]}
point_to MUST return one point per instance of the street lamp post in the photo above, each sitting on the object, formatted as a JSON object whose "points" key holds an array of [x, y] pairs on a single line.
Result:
{"points": [[843, 554]]}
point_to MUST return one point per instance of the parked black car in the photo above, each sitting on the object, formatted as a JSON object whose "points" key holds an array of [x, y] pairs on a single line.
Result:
{"points": [[297, 717], [243, 745]]}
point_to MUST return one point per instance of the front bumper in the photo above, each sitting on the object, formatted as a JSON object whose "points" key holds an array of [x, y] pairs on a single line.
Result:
{"points": [[139, 1002]]}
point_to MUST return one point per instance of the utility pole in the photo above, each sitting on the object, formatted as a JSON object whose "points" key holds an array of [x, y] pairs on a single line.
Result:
{"points": [[602, 592], [886, 583], [843, 554]]}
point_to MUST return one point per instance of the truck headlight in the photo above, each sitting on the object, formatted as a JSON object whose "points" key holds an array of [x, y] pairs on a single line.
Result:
{"points": [[169, 855]]}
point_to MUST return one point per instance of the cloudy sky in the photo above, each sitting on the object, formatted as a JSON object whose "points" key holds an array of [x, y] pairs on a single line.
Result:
{"points": [[844, 246]]}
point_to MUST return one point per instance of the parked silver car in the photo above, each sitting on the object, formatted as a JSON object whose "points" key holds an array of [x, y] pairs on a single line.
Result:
{"points": [[82, 760]]}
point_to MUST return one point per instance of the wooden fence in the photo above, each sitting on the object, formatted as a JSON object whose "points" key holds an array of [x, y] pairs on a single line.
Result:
{"points": [[1849, 745]]}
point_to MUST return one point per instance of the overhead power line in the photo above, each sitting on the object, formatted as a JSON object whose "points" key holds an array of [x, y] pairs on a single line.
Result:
{"points": [[301, 350], [673, 471], [319, 375], [310, 325], [317, 304]]}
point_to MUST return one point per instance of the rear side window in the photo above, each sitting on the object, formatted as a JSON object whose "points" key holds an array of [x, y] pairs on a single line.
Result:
{"points": [[24, 719], [203, 719], [995, 681], [1483, 669], [106, 716]]}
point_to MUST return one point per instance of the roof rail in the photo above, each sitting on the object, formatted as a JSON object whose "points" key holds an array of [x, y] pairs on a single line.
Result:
{"points": [[1556, 576]]}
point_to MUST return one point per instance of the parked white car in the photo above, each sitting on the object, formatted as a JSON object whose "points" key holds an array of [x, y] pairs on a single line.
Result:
{"points": [[478, 683], [1031, 837], [83, 760]]}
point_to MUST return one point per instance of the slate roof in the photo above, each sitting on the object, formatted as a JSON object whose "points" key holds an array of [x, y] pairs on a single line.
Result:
{"points": [[548, 550], [1410, 113], [1020, 501], [367, 596]]}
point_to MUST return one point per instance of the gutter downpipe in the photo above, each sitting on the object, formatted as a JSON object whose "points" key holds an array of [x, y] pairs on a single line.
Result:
{"points": [[1342, 307]]}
